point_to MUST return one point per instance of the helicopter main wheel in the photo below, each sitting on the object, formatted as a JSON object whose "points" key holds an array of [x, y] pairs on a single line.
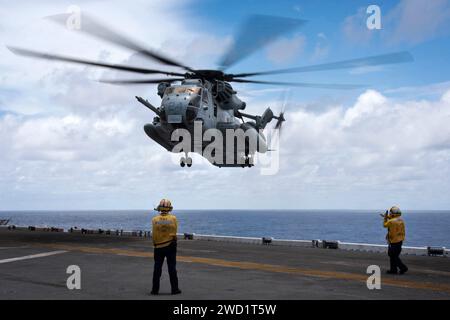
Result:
{"points": [[249, 162], [189, 162], [186, 162]]}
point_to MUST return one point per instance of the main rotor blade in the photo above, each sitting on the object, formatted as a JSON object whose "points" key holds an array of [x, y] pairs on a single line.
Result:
{"points": [[94, 28], [47, 56], [143, 81], [391, 58], [303, 84], [257, 31]]}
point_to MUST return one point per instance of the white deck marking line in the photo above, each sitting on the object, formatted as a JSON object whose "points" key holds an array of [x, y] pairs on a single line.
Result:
{"points": [[197, 250], [33, 256], [6, 248]]}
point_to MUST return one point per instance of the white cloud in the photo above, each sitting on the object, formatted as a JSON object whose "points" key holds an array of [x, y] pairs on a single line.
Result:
{"points": [[415, 21], [370, 104], [355, 29], [73, 143], [66, 139], [286, 49], [430, 90], [376, 146], [410, 21], [376, 152]]}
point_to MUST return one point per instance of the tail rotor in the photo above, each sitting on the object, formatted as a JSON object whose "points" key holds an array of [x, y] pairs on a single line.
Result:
{"points": [[285, 96], [280, 120]]}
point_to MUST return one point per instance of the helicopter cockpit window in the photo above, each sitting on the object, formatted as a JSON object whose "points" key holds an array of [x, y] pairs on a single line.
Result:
{"points": [[194, 101], [183, 90], [191, 93]]}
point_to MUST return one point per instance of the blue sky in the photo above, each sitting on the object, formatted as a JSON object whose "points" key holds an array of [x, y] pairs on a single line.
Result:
{"points": [[68, 142], [328, 18]]}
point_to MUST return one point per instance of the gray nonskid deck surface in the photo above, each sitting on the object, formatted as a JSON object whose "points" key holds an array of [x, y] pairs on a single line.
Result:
{"points": [[121, 268]]}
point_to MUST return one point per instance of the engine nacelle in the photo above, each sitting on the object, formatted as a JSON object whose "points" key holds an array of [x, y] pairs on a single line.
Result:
{"points": [[226, 97]]}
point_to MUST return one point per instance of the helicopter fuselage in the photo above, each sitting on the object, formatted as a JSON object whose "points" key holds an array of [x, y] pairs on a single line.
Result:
{"points": [[195, 112]]}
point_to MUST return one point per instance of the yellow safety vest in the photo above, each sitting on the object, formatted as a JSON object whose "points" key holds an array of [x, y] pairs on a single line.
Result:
{"points": [[396, 229], [164, 230]]}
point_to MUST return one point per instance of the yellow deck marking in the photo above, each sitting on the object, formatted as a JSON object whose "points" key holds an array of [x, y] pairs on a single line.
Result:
{"points": [[259, 266]]}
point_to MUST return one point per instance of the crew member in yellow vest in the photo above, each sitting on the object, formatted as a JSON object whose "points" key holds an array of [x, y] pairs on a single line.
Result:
{"points": [[395, 237], [164, 233]]}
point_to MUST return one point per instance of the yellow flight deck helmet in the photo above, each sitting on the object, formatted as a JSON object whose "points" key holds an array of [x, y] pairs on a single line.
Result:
{"points": [[164, 205], [395, 211]]}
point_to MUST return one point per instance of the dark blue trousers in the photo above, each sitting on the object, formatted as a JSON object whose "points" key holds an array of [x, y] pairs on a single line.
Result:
{"points": [[394, 251], [170, 253]]}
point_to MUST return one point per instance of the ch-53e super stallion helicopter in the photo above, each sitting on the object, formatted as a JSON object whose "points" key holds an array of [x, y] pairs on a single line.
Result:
{"points": [[206, 97]]}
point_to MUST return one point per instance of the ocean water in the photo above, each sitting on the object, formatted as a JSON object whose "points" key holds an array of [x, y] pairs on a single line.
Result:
{"points": [[423, 228]]}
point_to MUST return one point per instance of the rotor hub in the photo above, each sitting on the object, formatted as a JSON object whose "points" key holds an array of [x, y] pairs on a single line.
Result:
{"points": [[207, 74]]}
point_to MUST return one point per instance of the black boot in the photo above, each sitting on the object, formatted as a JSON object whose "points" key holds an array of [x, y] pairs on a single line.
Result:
{"points": [[404, 270]]}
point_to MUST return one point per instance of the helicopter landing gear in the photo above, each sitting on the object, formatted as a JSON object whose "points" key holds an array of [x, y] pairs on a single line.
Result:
{"points": [[248, 162], [189, 162], [186, 161]]}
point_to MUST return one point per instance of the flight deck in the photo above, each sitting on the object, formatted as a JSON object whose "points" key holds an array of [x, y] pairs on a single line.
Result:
{"points": [[33, 265]]}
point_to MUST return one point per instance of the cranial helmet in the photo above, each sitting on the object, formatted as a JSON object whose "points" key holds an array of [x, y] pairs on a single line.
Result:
{"points": [[395, 211], [164, 205]]}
